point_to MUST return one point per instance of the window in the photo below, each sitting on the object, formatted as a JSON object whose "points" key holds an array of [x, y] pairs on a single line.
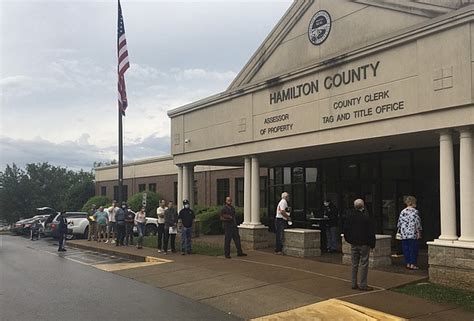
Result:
{"points": [[152, 187], [124, 193], [103, 190], [239, 192], [175, 190], [222, 190], [141, 187], [195, 193], [263, 191]]}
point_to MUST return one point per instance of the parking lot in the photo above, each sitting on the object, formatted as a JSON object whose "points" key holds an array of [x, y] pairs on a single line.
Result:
{"points": [[39, 283], [50, 246]]}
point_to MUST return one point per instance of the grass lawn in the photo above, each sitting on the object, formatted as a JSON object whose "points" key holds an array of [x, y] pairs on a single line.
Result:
{"points": [[198, 248], [439, 293]]}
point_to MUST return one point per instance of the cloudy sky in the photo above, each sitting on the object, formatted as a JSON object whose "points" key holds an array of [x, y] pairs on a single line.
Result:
{"points": [[58, 72]]}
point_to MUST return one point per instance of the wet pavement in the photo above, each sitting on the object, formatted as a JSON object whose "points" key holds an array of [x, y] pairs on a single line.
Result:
{"points": [[39, 283]]}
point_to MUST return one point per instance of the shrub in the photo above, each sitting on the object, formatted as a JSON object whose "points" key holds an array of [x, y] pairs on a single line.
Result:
{"points": [[152, 202], [210, 221], [97, 200]]}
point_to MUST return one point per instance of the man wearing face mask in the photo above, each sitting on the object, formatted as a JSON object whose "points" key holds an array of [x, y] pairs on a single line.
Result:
{"points": [[186, 219], [120, 216]]}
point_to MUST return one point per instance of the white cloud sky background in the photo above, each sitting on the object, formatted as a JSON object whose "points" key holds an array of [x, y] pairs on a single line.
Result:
{"points": [[58, 72]]}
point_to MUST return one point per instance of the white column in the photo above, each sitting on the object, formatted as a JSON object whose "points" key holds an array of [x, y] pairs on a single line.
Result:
{"points": [[446, 187], [179, 205], [466, 178], [247, 190], [255, 198], [191, 186], [185, 183]]}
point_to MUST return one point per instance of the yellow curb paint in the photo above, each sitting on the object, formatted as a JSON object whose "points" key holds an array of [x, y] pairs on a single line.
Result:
{"points": [[332, 309], [156, 259], [124, 266]]}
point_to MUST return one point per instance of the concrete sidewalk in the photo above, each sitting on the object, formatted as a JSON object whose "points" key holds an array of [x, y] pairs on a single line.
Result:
{"points": [[264, 284]]}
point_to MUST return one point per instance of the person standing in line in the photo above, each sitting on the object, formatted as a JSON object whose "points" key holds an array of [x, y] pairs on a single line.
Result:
{"points": [[62, 230], [171, 217], [281, 217], [160, 213], [101, 217], [92, 224], [359, 232], [231, 231], [409, 225], [186, 219], [129, 223], [111, 227], [120, 223], [330, 212], [140, 220]]}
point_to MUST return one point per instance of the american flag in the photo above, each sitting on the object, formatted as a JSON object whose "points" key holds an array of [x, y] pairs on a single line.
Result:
{"points": [[123, 63]]}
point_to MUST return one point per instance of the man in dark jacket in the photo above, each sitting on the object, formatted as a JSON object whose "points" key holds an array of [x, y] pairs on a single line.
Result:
{"points": [[171, 218], [186, 219], [359, 232], [120, 216], [129, 223], [331, 213], [62, 231], [231, 230]]}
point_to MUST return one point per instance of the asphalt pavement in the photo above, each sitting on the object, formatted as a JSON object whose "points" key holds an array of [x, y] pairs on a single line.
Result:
{"points": [[38, 283]]}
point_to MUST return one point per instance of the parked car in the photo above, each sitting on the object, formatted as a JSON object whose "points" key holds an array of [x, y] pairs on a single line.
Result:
{"points": [[77, 223], [22, 227], [27, 223], [151, 226], [17, 228]]}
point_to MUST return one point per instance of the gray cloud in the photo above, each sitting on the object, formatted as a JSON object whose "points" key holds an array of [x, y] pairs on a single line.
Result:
{"points": [[76, 154], [65, 87]]}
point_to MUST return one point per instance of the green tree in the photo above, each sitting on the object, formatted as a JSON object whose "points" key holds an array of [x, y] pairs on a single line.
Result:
{"points": [[42, 184], [97, 200], [14, 196], [152, 202]]}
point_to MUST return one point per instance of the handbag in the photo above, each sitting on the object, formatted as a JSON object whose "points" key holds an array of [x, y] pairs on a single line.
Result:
{"points": [[398, 236]]}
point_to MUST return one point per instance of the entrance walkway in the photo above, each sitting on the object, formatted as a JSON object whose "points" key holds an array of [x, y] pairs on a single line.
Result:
{"points": [[264, 284]]}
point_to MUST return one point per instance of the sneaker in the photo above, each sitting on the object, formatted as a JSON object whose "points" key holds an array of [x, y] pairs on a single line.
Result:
{"points": [[159, 251], [113, 242], [183, 253], [166, 253], [228, 257], [354, 287], [242, 254], [107, 241]]}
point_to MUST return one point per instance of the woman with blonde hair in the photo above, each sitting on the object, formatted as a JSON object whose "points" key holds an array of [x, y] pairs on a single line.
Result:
{"points": [[409, 226]]}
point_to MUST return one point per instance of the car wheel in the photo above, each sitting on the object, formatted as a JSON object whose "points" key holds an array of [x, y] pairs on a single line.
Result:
{"points": [[86, 233], [150, 230]]}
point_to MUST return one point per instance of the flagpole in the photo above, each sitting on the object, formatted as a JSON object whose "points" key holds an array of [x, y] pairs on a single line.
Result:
{"points": [[123, 65], [120, 157]]}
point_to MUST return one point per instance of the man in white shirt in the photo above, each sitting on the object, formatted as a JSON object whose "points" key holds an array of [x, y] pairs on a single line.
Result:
{"points": [[281, 217], [160, 213], [111, 228]]}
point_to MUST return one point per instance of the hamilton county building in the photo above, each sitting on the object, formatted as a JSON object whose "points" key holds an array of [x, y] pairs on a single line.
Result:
{"points": [[347, 99]]}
